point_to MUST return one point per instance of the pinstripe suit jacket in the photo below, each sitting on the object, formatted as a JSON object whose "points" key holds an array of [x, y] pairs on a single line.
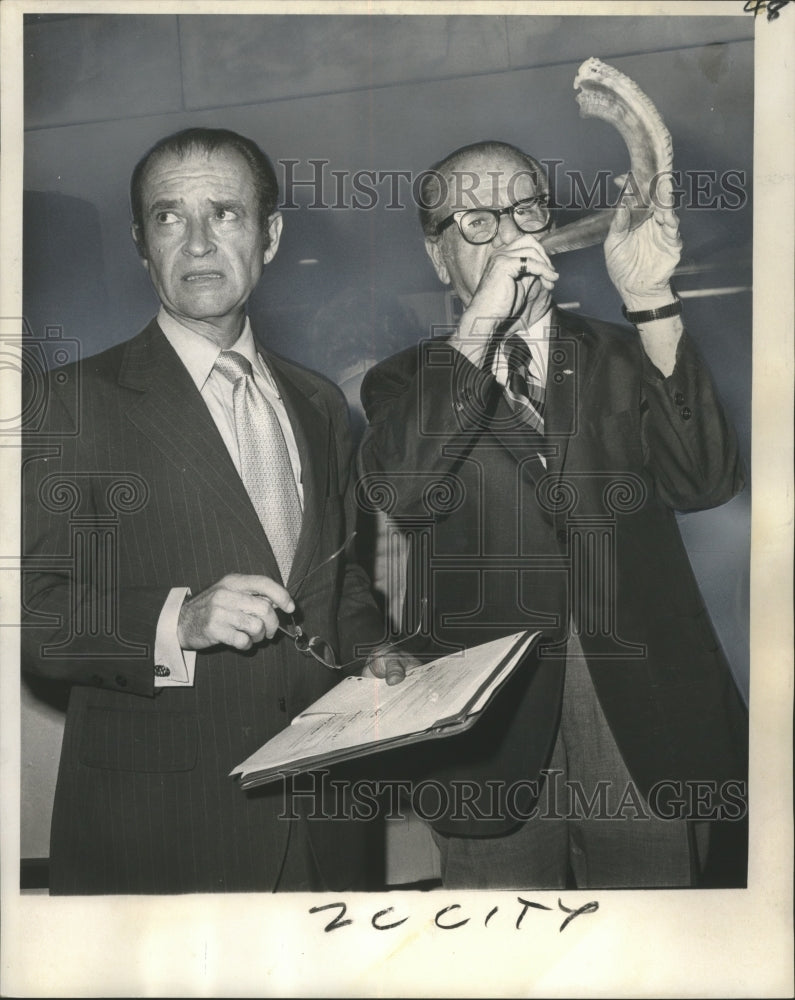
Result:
{"points": [[128, 491]]}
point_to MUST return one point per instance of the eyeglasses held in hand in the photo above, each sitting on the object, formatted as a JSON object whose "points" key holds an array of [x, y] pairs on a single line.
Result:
{"points": [[480, 225], [321, 650]]}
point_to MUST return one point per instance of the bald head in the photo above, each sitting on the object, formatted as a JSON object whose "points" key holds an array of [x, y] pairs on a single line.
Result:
{"points": [[480, 175]]}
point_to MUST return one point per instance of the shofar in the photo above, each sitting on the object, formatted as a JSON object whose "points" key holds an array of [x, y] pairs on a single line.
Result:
{"points": [[603, 92]]}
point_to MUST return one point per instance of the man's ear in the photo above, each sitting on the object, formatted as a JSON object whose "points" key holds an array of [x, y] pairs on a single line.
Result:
{"points": [[273, 235], [434, 251], [138, 240]]}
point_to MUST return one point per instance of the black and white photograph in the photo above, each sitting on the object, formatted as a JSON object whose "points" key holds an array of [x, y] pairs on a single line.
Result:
{"points": [[397, 424]]}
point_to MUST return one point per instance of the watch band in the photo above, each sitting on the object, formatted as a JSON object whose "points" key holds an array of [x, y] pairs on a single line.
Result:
{"points": [[647, 315]]}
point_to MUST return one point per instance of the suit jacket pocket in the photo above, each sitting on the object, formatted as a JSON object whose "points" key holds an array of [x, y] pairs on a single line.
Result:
{"points": [[119, 740]]}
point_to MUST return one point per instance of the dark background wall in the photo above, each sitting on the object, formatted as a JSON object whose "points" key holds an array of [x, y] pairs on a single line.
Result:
{"points": [[373, 93]]}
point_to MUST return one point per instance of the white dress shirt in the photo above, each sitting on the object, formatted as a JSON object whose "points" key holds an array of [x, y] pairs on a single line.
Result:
{"points": [[199, 355]]}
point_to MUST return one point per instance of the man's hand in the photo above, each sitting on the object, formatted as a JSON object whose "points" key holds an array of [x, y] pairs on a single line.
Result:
{"points": [[390, 664], [507, 282], [237, 611], [641, 262], [517, 275]]}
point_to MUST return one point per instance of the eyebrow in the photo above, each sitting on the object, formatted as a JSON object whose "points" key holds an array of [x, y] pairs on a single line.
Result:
{"points": [[237, 206], [166, 204], [512, 204]]}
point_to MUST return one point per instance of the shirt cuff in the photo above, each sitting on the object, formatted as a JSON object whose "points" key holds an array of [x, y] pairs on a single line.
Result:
{"points": [[661, 343], [175, 666]]}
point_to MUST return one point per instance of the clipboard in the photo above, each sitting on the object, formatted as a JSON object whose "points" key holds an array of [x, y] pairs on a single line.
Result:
{"points": [[364, 715]]}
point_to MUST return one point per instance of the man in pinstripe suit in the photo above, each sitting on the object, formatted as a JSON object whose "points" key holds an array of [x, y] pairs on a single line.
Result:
{"points": [[153, 584]]}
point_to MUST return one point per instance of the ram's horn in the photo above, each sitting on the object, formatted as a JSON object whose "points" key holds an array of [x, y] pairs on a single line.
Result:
{"points": [[603, 92]]}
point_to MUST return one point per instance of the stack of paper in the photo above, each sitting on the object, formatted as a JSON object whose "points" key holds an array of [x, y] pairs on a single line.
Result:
{"points": [[362, 715]]}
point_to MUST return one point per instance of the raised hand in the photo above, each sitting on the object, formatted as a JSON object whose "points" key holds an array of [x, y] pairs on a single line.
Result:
{"points": [[513, 272], [517, 279], [640, 262]]}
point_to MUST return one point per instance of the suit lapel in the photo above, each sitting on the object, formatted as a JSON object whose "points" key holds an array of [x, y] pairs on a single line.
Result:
{"points": [[170, 411], [516, 436], [567, 368]]}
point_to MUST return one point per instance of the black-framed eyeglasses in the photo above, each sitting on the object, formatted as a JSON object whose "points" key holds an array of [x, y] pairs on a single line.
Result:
{"points": [[480, 225], [317, 647]]}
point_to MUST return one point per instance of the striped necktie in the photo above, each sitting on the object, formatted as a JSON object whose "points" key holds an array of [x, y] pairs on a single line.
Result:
{"points": [[523, 389], [265, 466]]}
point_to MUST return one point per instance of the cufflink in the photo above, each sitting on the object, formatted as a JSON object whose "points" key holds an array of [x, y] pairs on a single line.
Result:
{"points": [[162, 671]]}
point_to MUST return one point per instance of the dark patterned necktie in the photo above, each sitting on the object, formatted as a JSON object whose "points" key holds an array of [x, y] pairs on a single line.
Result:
{"points": [[265, 466], [523, 389]]}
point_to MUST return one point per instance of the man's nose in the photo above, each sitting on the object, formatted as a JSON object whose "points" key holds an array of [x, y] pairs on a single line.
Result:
{"points": [[507, 230], [198, 241]]}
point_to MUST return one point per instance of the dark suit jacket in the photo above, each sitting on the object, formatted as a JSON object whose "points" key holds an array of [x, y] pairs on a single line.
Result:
{"points": [[511, 545], [129, 491]]}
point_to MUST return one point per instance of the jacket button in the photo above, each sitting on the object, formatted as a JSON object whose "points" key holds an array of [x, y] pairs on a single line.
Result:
{"points": [[121, 680], [679, 398], [686, 412]]}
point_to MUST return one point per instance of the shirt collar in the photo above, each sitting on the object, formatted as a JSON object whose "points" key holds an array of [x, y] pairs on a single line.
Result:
{"points": [[199, 354]]}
